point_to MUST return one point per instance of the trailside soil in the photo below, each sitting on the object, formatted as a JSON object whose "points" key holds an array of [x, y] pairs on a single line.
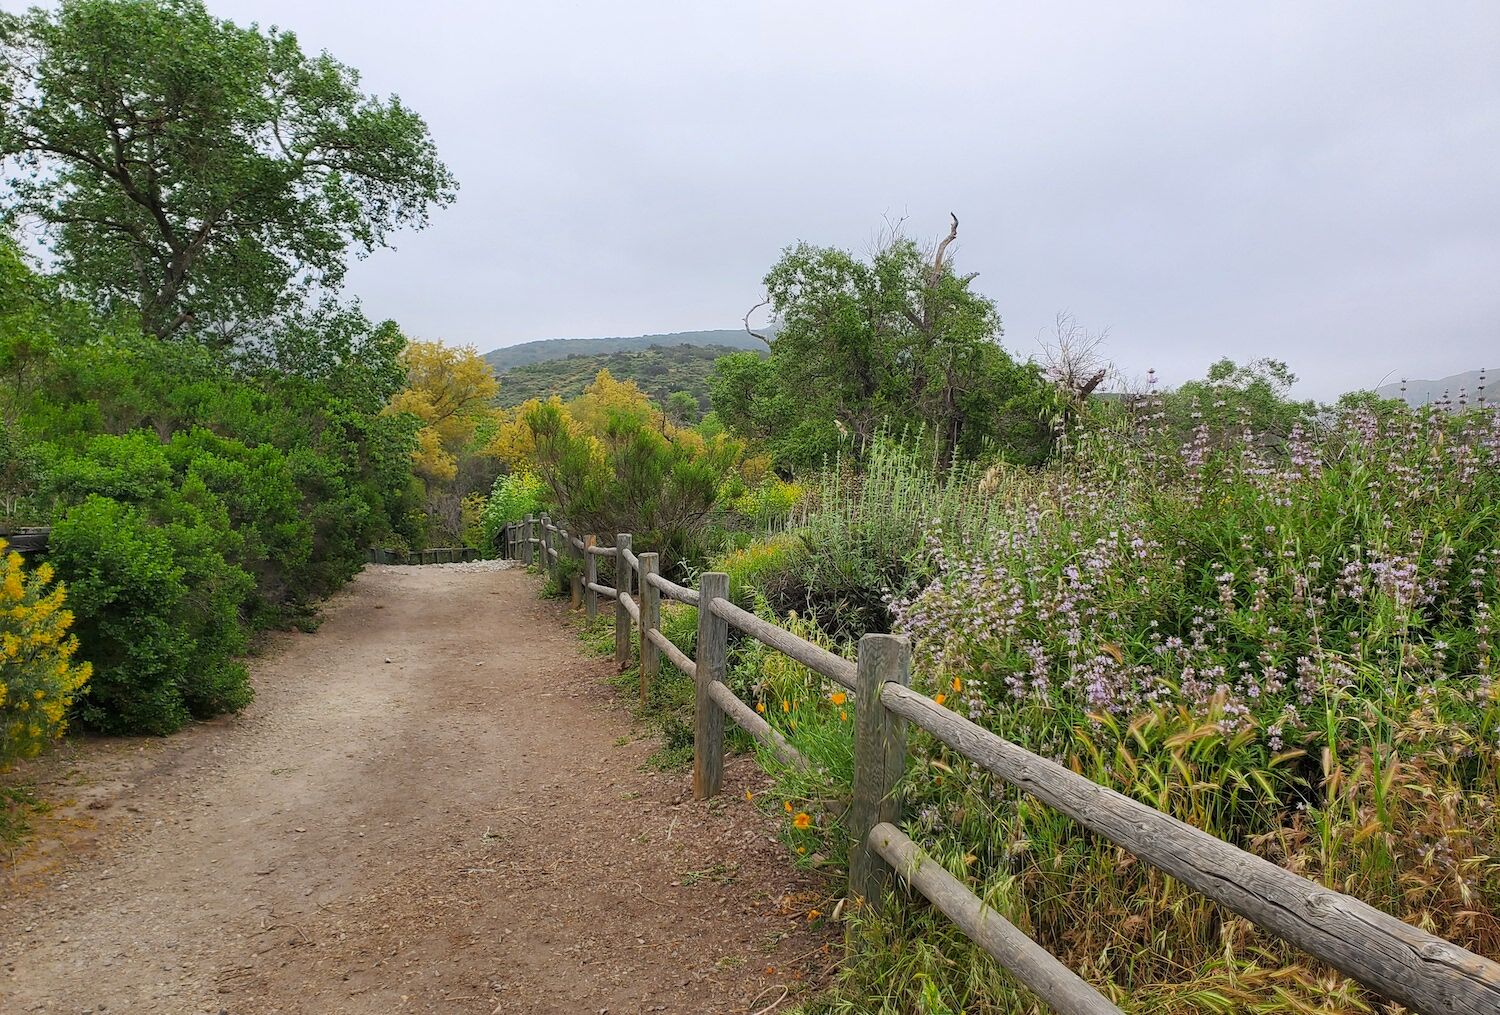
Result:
{"points": [[436, 804]]}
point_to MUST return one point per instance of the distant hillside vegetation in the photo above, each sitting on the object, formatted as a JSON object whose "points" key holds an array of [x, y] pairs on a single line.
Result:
{"points": [[1420, 392], [513, 356], [657, 370]]}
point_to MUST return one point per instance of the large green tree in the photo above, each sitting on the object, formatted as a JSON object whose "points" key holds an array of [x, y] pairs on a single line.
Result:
{"points": [[899, 339], [211, 175]]}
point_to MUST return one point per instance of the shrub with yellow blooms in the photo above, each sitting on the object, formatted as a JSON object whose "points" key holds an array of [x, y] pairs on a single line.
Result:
{"points": [[38, 677]]}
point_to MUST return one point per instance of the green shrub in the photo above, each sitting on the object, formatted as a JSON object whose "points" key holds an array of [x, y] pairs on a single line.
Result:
{"points": [[256, 487], [515, 496], [156, 610], [763, 570]]}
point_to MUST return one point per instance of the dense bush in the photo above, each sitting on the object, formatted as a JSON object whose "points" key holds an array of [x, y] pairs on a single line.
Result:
{"points": [[195, 496], [612, 463], [157, 604], [38, 675], [1289, 643], [515, 496]]}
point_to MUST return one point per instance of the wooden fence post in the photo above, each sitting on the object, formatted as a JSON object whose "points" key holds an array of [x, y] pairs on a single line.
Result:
{"points": [[879, 759], [590, 575], [650, 621], [526, 541], [708, 718], [575, 583], [546, 544], [623, 586]]}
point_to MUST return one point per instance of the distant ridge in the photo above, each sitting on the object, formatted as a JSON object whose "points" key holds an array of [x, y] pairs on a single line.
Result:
{"points": [[1422, 392], [501, 360]]}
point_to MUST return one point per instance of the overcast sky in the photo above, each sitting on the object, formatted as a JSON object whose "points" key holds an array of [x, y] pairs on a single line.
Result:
{"points": [[1315, 182]]}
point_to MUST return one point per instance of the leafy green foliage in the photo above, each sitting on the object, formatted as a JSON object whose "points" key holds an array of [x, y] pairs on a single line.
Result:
{"points": [[1287, 641], [195, 497], [207, 174], [156, 607], [864, 344], [515, 496], [632, 477]]}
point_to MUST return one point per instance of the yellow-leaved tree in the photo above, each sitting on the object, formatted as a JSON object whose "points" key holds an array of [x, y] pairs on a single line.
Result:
{"points": [[449, 390]]}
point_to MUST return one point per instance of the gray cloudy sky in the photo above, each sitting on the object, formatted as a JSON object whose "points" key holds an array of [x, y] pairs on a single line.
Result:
{"points": [[1317, 182]]}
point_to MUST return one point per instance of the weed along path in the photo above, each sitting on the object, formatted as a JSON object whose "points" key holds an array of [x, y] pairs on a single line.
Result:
{"points": [[436, 804]]}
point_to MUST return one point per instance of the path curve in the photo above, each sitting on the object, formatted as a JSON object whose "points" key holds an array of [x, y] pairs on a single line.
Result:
{"points": [[434, 805]]}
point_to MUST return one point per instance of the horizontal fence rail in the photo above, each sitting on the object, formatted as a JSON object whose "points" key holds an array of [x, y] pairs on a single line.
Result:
{"points": [[28, 539], [431, 555], [674, 591], [1405, 964]]}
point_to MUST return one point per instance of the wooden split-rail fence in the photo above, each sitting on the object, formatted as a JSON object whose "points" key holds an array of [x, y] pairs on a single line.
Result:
{"points": [[431, 555], [1408, 966], [29, 539]]}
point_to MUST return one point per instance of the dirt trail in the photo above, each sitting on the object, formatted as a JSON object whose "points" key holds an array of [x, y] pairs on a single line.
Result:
{"points": [[433, 805]]}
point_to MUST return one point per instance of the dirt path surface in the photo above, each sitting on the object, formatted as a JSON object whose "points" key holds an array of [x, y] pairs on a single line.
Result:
{"points": [[434, 805]]}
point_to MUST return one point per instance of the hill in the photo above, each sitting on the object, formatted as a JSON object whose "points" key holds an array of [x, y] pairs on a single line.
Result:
{"points": [[1420, 392], [658, 370], [501, 360]]}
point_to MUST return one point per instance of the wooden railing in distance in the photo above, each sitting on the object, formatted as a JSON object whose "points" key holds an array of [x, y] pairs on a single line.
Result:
{"points": [[1408, 966]]}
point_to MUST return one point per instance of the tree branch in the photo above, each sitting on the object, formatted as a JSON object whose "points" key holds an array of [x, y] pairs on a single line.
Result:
{"points": [[751, 332], [937, 259]]}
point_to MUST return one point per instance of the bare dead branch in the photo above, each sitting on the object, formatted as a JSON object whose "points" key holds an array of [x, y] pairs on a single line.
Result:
{"points": [[942, 248], [751, 331]]}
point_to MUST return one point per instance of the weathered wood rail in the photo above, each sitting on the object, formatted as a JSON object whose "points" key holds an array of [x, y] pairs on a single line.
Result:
{"points": [[28, 539], [1403, 963], [431, 555]]}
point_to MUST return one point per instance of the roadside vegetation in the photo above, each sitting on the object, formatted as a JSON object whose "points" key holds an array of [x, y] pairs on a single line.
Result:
{"points": [[1271, 619], [212, 434]]}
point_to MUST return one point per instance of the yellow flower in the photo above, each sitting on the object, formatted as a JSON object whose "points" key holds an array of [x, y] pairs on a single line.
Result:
{"points": [[839, 697], [749, 795], [843, 716], [801, 850], [760, 707], [958, 685], [788, 805], [813, 914], [940, 697], [802, 820], [786, 706]]}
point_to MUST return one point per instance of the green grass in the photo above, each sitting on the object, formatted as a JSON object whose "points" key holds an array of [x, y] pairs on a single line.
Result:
{"points": [[19, 808]]}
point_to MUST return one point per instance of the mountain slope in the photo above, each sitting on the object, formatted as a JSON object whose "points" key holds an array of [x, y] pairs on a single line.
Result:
{"points": [[501, 360], [1421, 392], [658, 371]]}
